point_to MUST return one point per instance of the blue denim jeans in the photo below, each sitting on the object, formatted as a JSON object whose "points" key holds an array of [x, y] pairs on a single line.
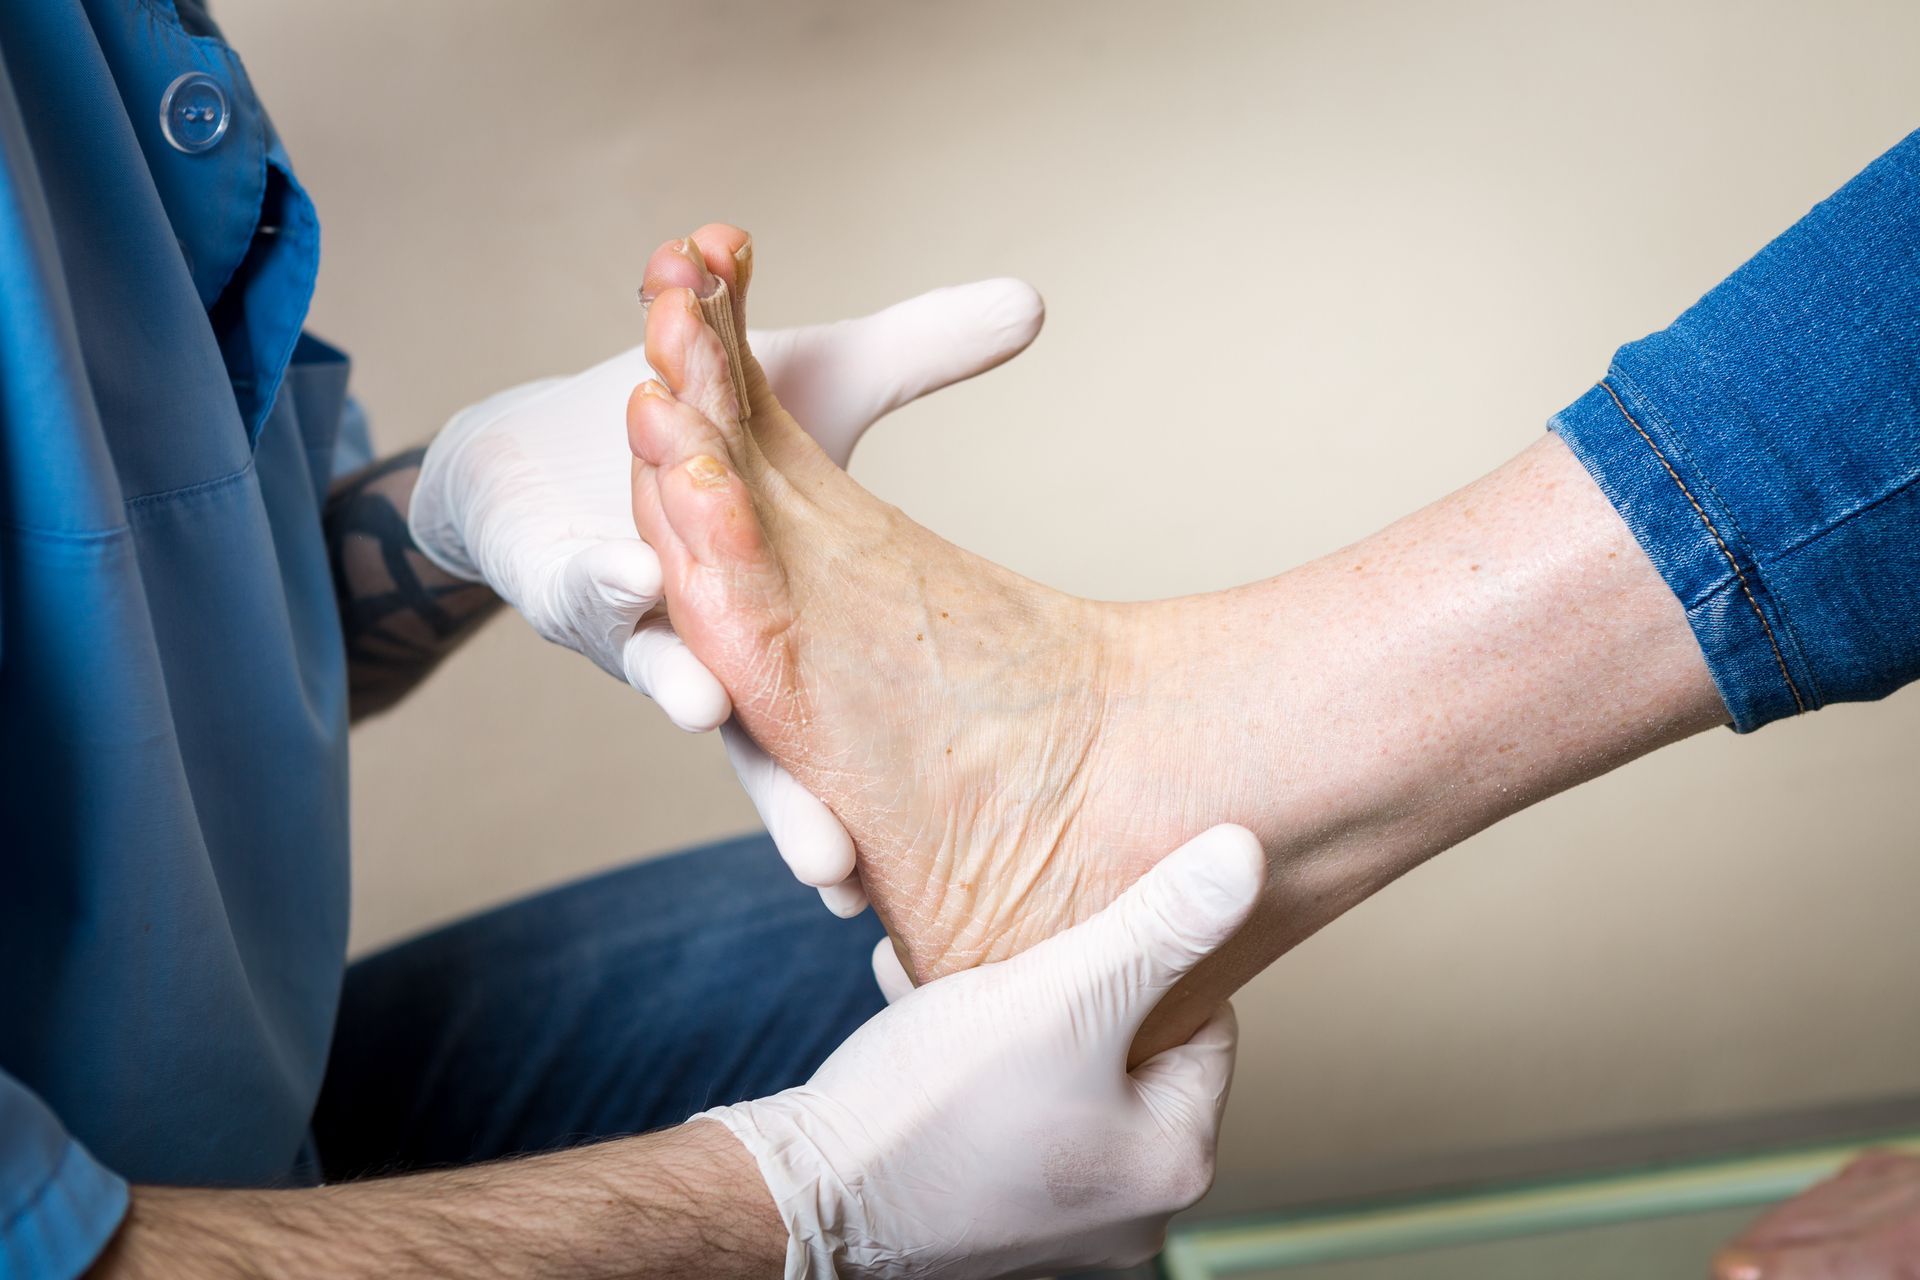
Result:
{"points": [[1765, 448], [612, 1006]]}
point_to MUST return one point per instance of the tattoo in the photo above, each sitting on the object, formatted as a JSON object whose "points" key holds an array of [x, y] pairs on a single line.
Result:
{"points": [[401, 613]]}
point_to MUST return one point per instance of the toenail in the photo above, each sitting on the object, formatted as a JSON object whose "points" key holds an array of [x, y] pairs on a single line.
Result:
{"points": [[692, 253], [706, 472]]}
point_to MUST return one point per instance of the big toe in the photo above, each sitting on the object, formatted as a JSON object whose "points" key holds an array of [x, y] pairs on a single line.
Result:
{"points": [[678, 264], [728, 254], [717, 373]]}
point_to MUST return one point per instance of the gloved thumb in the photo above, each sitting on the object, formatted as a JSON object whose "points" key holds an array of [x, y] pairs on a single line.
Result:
{"points": [[1184, 1089], [839, 379], [1193, 1076], [1171, 918]]}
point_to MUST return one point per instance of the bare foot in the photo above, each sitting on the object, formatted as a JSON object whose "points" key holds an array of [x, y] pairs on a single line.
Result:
{"points": [[1861, 1224], [952, 713]]}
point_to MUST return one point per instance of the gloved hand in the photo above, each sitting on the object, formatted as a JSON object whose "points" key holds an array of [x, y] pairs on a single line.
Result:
{"points": [[986, 1124], [529, 492]]}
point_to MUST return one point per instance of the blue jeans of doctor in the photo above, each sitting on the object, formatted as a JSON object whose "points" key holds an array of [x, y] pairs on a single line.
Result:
{"points": [[611, 1006]]}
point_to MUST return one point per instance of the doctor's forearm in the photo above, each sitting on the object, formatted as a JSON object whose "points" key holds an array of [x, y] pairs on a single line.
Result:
{"points": [[400, 613], [684, 1201]]}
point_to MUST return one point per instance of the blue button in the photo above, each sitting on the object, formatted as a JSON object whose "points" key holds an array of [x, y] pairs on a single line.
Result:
{"points": [[193, 113]]}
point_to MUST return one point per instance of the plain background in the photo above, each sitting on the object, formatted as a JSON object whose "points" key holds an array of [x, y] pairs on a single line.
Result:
{"points": [[1308, 266]]}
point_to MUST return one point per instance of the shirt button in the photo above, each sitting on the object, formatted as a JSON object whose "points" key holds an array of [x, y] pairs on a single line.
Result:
{"points": [[193, 113]]}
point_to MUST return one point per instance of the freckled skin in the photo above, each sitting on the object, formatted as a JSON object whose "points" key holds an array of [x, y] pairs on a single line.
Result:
{"points": [[1008, 769]]}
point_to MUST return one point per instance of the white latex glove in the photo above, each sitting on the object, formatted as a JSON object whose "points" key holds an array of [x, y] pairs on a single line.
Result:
{"points": [[986, 1124], [528, 491]]}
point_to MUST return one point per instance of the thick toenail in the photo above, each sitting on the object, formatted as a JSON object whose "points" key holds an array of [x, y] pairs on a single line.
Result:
{"points": [[698, 260], [706, 472]]}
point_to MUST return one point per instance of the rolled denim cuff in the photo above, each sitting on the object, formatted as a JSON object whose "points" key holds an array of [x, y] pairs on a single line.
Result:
{"points": [[1676, 514], [1765, 450]]}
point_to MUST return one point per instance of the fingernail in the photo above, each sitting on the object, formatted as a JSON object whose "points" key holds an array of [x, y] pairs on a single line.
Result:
{"points": [[743, 262], [706, 472], [1737, 1266], [646, 298], [657, 389], [690, 302]]}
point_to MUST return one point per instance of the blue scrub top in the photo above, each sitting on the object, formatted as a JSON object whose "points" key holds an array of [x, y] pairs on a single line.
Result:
{"points": [[173, 794]]}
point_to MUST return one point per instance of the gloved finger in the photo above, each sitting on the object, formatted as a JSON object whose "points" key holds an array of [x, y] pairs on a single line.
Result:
{"points": [[623, 573], [658, 663], [889, 972], [846, 899], [1171, 918], [816, 847], [606, 590], [601, 593], [1195, 1074], [837, 380]]}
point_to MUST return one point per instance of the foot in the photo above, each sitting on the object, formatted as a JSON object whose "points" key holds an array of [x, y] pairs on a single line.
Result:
{"points": [[953, 714]]}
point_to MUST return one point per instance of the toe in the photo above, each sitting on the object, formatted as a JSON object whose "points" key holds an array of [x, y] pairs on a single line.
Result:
{"points": [[664, 431], [727, 594], [692, 363], [727, 252], [726, 256], [708, 506], [677, 264], [726, 591]]}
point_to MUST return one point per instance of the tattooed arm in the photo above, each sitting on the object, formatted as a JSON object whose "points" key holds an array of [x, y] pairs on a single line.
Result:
{"points": [[401, 613]]}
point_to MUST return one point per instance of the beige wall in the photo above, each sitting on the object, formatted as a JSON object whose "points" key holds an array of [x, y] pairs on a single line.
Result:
{"points": [[1408, 234]]}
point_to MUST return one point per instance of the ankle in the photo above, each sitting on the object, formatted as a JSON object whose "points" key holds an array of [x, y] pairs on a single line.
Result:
{"points": [[1252, 706]]}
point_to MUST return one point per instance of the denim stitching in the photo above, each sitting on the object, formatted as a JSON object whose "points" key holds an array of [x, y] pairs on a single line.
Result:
{"points": [[1745, 588], [1678, 443]]}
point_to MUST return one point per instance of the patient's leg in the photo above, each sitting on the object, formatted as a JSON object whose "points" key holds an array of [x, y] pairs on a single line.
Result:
{"points": [[1007, 758]]}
